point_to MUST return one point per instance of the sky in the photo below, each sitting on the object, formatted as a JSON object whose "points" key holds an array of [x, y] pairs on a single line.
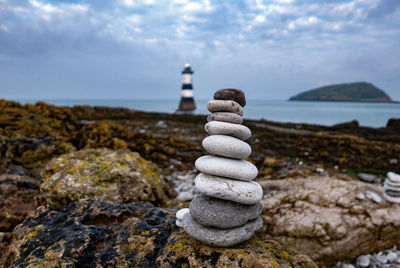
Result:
{"points": [[131, 49]]}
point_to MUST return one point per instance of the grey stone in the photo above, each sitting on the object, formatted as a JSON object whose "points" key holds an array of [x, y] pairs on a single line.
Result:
{"points": [[373, 196], [391, 257], [185, 196], [392, 199], [225, 117], [367, 177], [364, 260], [388, 182], [224, 128], [380, 259], [389, 187], [394, 177], [226, 167], [227, 146], [220, 237], [225, 106], [231, 94], [223, 214], [244, 192], [181, 213]]}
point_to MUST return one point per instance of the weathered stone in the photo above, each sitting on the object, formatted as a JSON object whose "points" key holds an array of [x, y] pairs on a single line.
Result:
{"points": [[225, 117], [225, 167], [224, 128], [223, 145], [391, 198], [90, 234], [18, 197], [225, 106], [394, 177], [231, 94], [244, 192], [110, 234], [323, 217], [220, 237], [223, 214], [182, 250], [366, 177], [102, 174]]}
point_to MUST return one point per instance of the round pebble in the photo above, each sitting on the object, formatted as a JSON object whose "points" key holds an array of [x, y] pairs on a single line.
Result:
{"points": [[394, 177], [225, 117], [388, 186], [220, 237], [181, 213], [391, 198], [364, 261], [226, 167], [223, 128], [227, 146], [225, 106], [219, 213], [185, 196], [244, 192], [231, 94]]}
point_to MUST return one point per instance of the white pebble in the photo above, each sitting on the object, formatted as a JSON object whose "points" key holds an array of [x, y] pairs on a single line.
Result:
{"points": [[227, 146]]}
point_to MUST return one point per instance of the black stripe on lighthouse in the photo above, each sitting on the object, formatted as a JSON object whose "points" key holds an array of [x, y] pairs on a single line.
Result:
{"points": [[187, 100]]}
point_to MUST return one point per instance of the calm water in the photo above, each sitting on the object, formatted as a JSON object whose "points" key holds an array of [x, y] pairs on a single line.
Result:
{"points": [[322, 113]]}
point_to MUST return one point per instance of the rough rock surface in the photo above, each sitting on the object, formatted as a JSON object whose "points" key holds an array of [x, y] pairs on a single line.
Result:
{"points": [[17, 199], [102, 174], [328, 219], [182, 250], [103, 234], [231, 94]]}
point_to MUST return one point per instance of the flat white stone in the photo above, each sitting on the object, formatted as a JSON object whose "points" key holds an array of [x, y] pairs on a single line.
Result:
{"points": [[394, 177], [244, 192], [225, 106], [227, 167], [225, 117], [389, 186], [227, 146], [391, 198], [181, 213], [224, 128]]}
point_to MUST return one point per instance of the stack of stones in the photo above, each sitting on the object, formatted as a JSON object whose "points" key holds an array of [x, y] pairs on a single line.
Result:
{"points": [[392, 188], [227, 210]]}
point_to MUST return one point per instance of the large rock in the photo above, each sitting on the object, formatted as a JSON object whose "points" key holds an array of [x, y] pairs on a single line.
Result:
{"points": [[101, 234], [329, 219], [102, 174]]}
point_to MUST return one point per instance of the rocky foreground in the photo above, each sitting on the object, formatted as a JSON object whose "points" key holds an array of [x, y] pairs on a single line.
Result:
{"points": [[87, 186]]}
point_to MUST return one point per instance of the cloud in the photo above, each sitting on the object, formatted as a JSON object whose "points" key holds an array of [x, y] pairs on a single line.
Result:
{"points": [[249, 39]]}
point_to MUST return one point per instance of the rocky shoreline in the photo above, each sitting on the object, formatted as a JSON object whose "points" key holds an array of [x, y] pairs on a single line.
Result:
{"points": [[115, 170]]}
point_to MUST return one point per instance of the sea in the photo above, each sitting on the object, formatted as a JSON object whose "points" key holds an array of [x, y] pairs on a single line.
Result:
{"points": [[322, 113]]}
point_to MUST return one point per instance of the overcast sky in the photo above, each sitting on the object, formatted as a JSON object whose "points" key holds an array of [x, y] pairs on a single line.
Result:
{"points": [[137, 49]]}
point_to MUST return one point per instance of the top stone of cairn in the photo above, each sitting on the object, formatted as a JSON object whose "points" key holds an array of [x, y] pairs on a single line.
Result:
{"points": [[231, 94]]}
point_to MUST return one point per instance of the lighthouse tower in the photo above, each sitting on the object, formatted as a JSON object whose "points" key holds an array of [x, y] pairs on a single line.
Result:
{"points": [[187, 101]]}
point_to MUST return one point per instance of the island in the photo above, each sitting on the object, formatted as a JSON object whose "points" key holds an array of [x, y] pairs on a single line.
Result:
{"points": [[352, 92]]}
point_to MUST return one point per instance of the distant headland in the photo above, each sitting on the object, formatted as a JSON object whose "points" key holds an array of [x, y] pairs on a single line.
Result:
{"points": [[357, 92]]}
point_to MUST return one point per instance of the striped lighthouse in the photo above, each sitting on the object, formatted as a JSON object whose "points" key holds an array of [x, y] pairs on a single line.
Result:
{"points": [[187, 100]]}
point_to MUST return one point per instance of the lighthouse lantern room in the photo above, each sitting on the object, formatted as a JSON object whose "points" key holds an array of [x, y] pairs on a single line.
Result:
{"points": [[187, 100]]}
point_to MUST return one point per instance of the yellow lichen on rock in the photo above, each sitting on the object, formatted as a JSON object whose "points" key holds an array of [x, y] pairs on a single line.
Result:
{"points": [[104, 175]]}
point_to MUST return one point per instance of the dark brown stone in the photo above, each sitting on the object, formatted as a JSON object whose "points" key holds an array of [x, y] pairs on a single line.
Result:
{"points": [[231, 94]]}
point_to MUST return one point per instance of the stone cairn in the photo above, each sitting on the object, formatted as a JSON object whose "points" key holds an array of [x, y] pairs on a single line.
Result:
{"points": [[227, 209], [392, 188]]}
